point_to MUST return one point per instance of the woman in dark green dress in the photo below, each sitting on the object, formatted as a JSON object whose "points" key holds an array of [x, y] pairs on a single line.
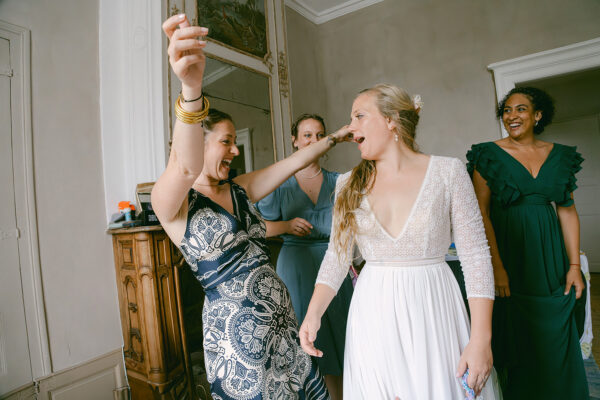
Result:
{"points": [[535, 251]]}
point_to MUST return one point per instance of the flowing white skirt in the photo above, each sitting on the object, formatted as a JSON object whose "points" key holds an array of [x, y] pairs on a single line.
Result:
{"points": [[407, 328]]}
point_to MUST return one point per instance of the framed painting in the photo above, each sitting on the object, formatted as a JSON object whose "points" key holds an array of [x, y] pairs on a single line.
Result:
{"points": [[239, 24]]}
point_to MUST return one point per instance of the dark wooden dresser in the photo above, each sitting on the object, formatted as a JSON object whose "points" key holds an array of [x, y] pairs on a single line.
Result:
{"points": [[160, 303]]}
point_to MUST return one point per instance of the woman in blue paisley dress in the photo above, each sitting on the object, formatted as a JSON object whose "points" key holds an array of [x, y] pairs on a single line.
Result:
{"points": [[251, 344]]}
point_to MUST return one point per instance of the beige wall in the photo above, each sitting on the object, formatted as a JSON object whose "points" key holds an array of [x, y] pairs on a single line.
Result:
{"points": [[75, 252], [439, 49], [307, 86]]}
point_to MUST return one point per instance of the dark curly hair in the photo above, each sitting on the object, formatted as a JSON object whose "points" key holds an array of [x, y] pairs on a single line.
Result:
{"points": [[304, 117], [540, 100], [214, 117]]}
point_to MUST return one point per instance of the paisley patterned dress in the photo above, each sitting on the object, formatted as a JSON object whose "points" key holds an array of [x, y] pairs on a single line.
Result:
{"points": [[251, 345]]}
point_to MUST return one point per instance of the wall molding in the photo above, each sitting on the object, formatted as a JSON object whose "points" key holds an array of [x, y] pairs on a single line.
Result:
{"points": [[319, 17], [563, 60], [105, 373]]}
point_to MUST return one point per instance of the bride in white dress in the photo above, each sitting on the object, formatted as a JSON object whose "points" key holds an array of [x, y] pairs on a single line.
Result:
{"points": [[408, 333]]}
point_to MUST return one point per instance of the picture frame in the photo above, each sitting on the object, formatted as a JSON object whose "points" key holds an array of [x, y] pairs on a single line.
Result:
{"points": [[238, 24], [142, 196]]}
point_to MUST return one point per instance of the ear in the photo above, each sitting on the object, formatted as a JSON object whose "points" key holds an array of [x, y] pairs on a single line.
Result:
{"points": [[391, 124], [294, 142], [537, 115]]}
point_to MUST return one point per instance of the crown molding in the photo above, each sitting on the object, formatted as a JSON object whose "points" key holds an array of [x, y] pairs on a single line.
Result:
{"points": [[319, 17]]}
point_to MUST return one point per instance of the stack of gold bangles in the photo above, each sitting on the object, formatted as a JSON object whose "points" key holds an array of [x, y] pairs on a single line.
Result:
{"points": [[189, 117]]}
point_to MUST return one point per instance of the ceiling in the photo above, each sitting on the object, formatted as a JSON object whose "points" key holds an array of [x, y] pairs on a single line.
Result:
{"points": [[319, 11]]}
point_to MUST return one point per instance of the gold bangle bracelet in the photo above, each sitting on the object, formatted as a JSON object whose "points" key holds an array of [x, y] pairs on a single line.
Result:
{"points": [[191, 117]]}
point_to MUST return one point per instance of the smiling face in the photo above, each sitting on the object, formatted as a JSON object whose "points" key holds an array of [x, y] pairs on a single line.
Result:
{"points": [[372, 131], [219, 150], [519, 116], [309, 131]]}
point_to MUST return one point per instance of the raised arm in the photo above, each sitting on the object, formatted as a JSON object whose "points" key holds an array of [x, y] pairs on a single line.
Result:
{"points": [[260, 183], [185, 161]]}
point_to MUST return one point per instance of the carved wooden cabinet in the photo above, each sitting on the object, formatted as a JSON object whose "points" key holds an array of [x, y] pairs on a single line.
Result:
{"points": [[145, 262], [161, 302]]}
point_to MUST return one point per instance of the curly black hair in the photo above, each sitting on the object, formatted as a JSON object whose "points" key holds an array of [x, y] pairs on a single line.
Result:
{"points": [[540, 100], [304, 117]]}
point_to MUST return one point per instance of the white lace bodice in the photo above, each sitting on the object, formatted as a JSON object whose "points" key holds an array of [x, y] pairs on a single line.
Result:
{"points": [[446, 206]]}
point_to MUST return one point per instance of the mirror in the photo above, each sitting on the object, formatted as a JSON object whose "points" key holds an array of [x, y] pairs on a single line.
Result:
{"points": [[245, 95]]}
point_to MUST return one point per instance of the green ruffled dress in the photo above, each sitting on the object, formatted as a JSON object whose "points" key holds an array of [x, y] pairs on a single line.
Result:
{"points": [[534, 336]]}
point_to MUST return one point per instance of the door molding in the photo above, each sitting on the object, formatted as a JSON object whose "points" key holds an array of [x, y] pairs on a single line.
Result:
{"points": [[562, 60], [25, 200]]}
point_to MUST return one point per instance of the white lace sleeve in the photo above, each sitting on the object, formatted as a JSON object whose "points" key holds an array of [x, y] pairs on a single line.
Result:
{"points": [[334, 268], [469, 235]]}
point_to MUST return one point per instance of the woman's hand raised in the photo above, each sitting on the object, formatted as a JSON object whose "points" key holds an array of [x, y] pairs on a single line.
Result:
{"points": [[185, 53], [343, 134]]}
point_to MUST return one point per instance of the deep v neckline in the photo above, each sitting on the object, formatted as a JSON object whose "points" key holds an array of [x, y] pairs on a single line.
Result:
{"points": [[412, 210], [234, 204], [306, 195], [523, 166]]}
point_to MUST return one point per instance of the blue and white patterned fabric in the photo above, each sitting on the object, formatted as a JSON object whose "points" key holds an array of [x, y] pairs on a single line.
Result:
{"points": [[251, 344]]}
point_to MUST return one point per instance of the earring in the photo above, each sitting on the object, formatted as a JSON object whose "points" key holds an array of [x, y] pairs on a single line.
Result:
{"points": [[537, 122], [395, 137]]}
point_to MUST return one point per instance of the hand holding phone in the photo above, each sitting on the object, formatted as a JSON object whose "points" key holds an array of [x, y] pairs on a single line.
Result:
{"points": [[469, 393]]}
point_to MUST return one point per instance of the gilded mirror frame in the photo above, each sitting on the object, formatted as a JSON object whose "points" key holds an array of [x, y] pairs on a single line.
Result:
{"points": [[273, 66]]}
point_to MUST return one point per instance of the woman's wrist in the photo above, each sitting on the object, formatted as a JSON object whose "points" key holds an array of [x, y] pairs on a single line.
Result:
{"points": [[192, 98], [288, 226], [481, 339], [331, 140]]}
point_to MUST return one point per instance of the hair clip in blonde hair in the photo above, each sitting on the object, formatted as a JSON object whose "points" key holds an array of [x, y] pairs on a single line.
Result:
{"points": [[417, 102]]}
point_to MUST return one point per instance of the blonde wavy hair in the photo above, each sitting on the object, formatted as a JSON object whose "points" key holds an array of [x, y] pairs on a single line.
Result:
{"points": [[397, 105]]}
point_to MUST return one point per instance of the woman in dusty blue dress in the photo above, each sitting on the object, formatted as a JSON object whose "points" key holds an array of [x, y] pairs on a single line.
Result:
{"points": [[300, 211]]}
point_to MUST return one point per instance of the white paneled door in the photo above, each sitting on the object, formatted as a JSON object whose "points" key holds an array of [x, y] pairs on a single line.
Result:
{"points": [[15, 360]]}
